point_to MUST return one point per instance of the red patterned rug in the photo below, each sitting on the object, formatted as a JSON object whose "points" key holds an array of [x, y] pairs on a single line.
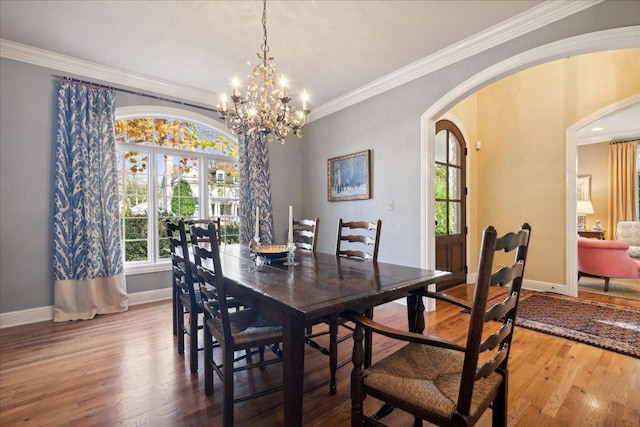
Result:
{"points": [[603, 325]]}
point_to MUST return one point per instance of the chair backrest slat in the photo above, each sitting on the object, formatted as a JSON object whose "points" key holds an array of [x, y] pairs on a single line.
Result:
{"points": [[370, 240], [305, 233]]}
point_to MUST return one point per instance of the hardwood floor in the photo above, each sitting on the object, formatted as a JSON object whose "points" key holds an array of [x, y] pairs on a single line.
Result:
{"points": [[123, 369]]}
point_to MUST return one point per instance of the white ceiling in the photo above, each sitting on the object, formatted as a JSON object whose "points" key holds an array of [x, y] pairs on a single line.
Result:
{"points": [[619, 125], [329, 48]]}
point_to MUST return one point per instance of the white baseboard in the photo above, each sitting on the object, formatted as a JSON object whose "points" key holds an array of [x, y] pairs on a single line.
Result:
{"points": [[44, 314]]}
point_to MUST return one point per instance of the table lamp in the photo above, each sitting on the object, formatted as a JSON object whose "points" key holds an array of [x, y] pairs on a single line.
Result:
{"points": [[584, 208]]}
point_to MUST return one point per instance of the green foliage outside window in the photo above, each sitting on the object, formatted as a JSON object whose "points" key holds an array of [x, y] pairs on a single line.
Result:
{"points": [[440, 191], [182, 203]]}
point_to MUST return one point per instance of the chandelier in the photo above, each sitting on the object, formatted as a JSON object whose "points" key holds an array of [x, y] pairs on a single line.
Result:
{"points": [[265, 109]]}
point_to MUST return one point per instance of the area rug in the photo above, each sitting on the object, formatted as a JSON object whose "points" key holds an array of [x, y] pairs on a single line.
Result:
{"points": [[600, 324]]}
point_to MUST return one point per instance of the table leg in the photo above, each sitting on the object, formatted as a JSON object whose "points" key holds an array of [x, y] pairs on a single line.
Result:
{"points": [[293, 369]]}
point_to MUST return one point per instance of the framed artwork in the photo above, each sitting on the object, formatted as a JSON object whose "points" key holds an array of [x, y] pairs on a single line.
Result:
{"points": [[348, 177], [584, 187]]}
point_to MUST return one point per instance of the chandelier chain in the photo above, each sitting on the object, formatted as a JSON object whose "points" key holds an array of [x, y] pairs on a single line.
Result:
{"points": [[265, 46]]}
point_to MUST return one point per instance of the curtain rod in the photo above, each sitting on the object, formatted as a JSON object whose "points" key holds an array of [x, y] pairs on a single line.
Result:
{"points": [[625, 140], [159, 98]]}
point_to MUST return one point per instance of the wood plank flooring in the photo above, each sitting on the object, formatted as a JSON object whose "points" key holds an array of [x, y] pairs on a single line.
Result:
{"points": [[124, 370]]}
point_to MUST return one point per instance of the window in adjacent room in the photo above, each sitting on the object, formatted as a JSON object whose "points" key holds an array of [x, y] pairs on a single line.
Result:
{"points": [[172, 168]]}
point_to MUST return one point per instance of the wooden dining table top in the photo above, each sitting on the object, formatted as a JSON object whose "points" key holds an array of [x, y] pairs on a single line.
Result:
{"points": [[321, 284]]}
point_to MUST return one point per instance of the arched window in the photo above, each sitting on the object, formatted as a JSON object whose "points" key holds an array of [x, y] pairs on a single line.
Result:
{"points": [[172, 164]]}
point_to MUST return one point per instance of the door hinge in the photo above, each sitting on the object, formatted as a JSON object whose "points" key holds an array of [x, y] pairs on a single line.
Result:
{"points": [[466, 269], [466, 191], [466, 151], [466, 230]]}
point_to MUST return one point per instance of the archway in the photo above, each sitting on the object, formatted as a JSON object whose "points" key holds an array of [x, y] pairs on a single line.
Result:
{"points": [[599, 41]]}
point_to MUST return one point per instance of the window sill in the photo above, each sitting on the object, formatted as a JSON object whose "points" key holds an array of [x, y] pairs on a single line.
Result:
{"points": [[133, 269]]}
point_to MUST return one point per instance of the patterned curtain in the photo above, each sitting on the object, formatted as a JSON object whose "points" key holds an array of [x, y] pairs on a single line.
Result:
{"points": [[87, 253], [255, 190], [623, 199]]}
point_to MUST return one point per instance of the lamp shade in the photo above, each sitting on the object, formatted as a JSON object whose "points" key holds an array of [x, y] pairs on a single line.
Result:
{"points": [[585, 207]]}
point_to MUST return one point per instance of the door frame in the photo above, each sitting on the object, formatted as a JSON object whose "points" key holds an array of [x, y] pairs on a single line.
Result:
{"points": [[616, 38]]}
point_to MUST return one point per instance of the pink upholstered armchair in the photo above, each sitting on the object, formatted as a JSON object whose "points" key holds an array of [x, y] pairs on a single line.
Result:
{"points": [[605, 259]]}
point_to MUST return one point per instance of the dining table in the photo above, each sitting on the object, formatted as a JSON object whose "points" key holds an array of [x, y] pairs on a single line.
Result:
{"points": [[318, 286]]}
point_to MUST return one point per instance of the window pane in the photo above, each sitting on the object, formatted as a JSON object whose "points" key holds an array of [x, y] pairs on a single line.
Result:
{"points": [[134, 206], [441, 218], [454, 183], [440, 188], [178, 186], [441, 146], [454, 218], [454, 150], [224, 198]]}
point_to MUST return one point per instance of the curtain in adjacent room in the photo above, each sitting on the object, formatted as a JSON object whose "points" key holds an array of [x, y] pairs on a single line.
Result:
{"points": [[87, 254], [623, 192], [255, 190]]}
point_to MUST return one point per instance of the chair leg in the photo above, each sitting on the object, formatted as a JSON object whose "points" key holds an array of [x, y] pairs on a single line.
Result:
{"points": [[333, 353], [193, 341], [208, 362], [606, 284], [227, 385], [180, 324], [174, 315], [261, 352], [499, 416], [357, 396]]}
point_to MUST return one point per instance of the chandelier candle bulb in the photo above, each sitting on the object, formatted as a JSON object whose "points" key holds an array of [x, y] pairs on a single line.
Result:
{"points": [[290, 238]]}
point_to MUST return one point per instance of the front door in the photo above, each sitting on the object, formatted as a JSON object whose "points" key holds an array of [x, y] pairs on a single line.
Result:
{"points": [[450, 206]]}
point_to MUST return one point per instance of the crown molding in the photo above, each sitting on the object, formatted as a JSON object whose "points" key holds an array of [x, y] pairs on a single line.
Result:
{"points": [[537, 17], [103, 73]]}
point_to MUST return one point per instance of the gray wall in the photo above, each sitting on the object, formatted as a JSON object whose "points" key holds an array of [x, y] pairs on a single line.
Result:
{"points": [[388, 124], [27, 135]]}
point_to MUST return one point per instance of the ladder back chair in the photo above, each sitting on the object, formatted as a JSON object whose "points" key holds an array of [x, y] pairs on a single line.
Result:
{"points": [[441, 381], [187, 300], [239, 330], [363, 246], [345, 247], [305, 233]]}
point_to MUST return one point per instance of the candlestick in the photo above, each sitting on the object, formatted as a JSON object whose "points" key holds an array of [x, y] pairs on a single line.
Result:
{"points": [[290, 239], [256, 229]]}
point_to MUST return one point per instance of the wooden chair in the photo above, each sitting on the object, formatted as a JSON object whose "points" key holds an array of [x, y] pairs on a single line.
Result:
{"points": [[438, 380], [173, 231], [363, 246], [305, 233], [187, 300], [234, 331]]}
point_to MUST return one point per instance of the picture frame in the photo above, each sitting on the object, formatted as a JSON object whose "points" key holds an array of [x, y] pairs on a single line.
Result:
{"points": [[348, 177], [583, 187]]}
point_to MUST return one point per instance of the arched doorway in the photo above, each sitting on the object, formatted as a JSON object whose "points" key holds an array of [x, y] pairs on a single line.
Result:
{"points": [[599, 41]]}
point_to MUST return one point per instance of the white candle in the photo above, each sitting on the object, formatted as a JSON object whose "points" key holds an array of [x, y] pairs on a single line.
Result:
{"points": [[256, 229], [290, 239]]}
